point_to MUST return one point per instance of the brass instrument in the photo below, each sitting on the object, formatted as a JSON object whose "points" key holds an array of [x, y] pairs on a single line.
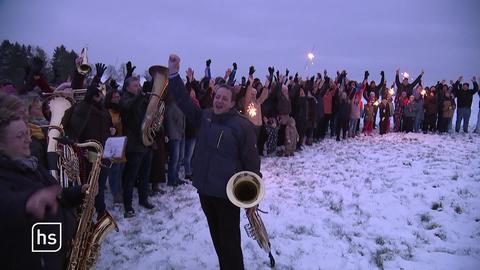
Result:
{"points": [[75, 94], [84, 67], [67, 161], [58, 104], [88, 236], [245, 189], [153, 119]]}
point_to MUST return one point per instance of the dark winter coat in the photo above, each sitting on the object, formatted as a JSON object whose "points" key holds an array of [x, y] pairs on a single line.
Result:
{"points": [[17, 184], [132, 111], [87, 121], [226, 144], [408, 88], [448, 108], [384, 111], [464, 97], [344, 108], [410, 110], [174, 120], [430, 105]]}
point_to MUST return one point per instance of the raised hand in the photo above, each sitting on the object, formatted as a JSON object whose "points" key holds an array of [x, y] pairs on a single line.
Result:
{"points": [[100, 69], [234, 66], [208, 62], [130, 68], [173, 64], [190, 74], [251, 71], [474, 79], [382, 73], [113, 84], [398, 71], [421, 74]]}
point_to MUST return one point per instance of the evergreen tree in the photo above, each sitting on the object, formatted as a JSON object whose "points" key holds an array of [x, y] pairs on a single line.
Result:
{"points": [[63, 63]]}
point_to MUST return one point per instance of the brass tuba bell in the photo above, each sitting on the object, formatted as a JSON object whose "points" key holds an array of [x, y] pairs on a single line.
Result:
{"points": [[84, 68], [153, 119]]}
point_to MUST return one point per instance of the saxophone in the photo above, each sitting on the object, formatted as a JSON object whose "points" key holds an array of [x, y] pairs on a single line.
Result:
{"points": [[88, 237], [153, 119], [245, 189]]}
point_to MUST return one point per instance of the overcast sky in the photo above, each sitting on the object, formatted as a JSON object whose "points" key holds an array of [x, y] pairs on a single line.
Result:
{"points": [[440, 36]]}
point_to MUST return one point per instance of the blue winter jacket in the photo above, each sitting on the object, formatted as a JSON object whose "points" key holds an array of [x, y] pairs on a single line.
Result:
{"points": [[226, 144]]}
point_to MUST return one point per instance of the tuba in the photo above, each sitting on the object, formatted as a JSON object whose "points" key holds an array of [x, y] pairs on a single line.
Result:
{"points": [[58, 104], [153, 119], [88, 237], [84, 68], [245, 189]]}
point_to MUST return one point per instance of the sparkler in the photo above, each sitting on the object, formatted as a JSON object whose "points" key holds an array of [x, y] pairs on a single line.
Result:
{"points": [[423, 92], [375, 103], [252, 111], [391, 91], [405, 75], [310, 56]]}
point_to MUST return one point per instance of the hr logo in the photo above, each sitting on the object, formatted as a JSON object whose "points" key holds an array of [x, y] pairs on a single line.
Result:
{"points": [[46, 237]]}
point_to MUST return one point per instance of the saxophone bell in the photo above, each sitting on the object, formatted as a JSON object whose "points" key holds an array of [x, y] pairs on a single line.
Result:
{"points": [[245, 189]]}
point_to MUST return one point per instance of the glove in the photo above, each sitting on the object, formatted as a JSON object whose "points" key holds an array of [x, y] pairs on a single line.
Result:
{"points": [[114, 84], [286, 73], [208, 62], [366, 75], [382, 73], [100, 69], [234, 66], [278, 74], [130, 69], [251, 70], [270, 71], [244, 80]]}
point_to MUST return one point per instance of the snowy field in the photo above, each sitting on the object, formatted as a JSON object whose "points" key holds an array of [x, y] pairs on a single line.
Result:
{"points": [[401, 201]]}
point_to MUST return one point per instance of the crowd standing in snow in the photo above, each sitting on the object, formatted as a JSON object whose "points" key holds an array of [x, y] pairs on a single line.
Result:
{"points": [[286, 112]]}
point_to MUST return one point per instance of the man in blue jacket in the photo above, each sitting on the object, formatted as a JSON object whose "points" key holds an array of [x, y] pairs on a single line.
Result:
{"points": [[226, 145]]}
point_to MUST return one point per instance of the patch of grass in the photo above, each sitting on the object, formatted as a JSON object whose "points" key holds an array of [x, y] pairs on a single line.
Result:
{"points": [[441, 234], [380, 241], [425, 218], [432, 226], [336, 206], [437, 206], [382, 255]]}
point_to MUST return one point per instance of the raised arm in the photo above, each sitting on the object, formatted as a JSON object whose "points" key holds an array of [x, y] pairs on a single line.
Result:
{"points": [[177, 88], [417, 80]]}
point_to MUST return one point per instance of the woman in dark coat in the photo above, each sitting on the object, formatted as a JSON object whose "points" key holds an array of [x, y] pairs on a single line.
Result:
{"points": [[28, 194]]}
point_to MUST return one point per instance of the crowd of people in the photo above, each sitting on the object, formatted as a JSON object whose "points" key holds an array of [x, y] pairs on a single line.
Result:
{"points": [[208, 120]]}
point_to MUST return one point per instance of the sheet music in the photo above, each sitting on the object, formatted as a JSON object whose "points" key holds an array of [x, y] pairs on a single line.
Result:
{"points": [[115, 148]]}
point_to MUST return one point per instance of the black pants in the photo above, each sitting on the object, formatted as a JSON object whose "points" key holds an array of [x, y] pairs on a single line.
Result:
{"points": [[224, 223], [261, 139], [137, 167], [429, 123], [327, 118], [342, 124], [444, 125], [408, 124]]}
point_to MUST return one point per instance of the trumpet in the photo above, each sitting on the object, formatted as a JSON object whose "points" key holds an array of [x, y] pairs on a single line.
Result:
{"points": [[84, 67]]}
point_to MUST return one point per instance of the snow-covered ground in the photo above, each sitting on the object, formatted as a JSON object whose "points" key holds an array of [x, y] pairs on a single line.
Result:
{"points": [[401, 201]]}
